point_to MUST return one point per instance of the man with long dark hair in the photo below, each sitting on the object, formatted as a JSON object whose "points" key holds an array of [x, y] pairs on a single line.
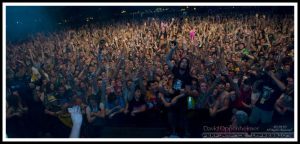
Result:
{"points": [[181, 82]]}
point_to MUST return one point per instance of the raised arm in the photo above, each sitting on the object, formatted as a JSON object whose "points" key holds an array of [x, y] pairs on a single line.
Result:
{"points": [[155, 23], [121, 60], [140, 75], [268, 40], [99, 58], [169, 56], [135, 81], [103, 89], [124, 76], [166, 104], [214, 84], [278, 105], [235, 85], [31, 56], [211, 89], [279, 83], [140, 109], [172, 22], [76, 117], [43, 55], [225, 103], [175, 99], [102, 112], [82, 72], [89, 116]]}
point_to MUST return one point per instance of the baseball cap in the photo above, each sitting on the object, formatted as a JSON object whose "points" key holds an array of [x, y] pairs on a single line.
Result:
{"points": [[241, 117]]}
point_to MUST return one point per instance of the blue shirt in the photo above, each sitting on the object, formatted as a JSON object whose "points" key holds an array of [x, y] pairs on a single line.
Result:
{"points": [[118, 102]]}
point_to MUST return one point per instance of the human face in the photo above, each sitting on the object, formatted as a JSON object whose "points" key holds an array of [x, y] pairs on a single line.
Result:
{"points": [[78, 101], [290, 82], [129, 83], [203, 87], [246, 87], [194, 72], [119, 91], [155, 85], [92, 69], [287, 67], [213, 49], [241, 46], [82, 85], [44, 82], [201, 77], [90, 89], [183, 64], [108, 90], [113, 83], [166, 67], [93, 102], [215, 92], [194, 82], [152, 87], [99, 83], [220, 87], [15, 93], [137, 94], [227, 86], [61, 90], [52, 86]]}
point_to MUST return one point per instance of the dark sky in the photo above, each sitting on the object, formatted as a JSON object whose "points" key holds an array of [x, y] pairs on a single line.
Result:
{"points": [[24, 20], [21, 21]]}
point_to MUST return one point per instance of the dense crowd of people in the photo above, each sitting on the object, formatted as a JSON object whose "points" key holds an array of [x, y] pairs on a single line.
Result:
{"points": [[184, 72]]}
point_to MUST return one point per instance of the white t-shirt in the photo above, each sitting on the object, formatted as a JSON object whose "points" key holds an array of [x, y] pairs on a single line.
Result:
{"points": [[35, 74]]}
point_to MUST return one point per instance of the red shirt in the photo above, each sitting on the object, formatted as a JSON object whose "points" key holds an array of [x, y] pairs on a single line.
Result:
{"points": [[245, 96]]}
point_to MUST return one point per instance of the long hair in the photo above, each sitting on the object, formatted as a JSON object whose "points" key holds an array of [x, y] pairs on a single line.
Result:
{"points": [[14, 100], [111, 97], [92, 98], [258, 85], [187, 70], [142, 95]]}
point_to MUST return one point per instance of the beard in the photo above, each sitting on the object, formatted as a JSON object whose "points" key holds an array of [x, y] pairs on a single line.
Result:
{"points": [[183, 69]]}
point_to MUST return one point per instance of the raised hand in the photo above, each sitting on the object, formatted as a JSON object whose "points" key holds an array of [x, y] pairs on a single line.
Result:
{"points": [[76, 117], [132, 113], [174, 101], [173, 46], [160, 95], [270, 73]]}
